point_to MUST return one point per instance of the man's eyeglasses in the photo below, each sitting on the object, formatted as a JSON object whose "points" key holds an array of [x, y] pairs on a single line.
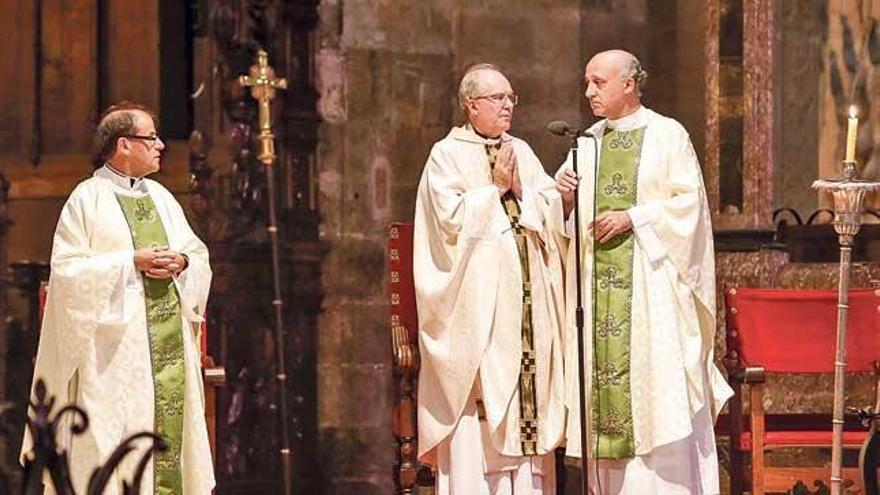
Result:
{"points": [[151, 138], [499, 98]]}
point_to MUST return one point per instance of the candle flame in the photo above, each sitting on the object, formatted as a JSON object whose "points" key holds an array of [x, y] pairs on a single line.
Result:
{"points": [[853, 112]]}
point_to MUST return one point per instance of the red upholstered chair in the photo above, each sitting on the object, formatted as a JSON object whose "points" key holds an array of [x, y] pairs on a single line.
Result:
{"points": [[407, 472], [791, 331]]}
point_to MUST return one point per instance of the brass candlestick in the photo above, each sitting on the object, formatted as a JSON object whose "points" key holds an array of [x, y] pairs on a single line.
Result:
{"points": [[849, 196]]}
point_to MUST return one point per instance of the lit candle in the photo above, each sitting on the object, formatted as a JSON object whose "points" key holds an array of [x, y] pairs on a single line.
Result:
{"points": [[851, 134]]}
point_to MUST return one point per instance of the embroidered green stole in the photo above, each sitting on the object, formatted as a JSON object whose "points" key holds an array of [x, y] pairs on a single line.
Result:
{"points": [[165, 329], [528, 408], [611, 395]]}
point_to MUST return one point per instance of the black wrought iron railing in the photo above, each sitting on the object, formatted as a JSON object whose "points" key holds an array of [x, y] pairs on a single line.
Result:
{"points": [[48, 457]]}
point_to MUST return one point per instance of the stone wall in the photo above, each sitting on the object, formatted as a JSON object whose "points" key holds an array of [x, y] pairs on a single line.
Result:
{"points": [[387, 75]]}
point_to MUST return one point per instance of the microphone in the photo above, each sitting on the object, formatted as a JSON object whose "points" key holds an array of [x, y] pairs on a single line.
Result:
{"points": [[563, 128]]}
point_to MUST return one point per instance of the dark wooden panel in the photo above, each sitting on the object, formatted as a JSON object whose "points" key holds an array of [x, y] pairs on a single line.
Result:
{"points": [[69, 68], [59, 173], [16, 65], [131, 31], [175, 109]]}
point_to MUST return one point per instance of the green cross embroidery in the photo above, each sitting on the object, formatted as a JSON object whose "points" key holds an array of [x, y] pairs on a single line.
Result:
{"points": [[609, 375], [615, 424], [162, 310], [609, 326], [141, 213], [165, 330], [617, 187], [612, 323], [611, 279], [621, 140]]}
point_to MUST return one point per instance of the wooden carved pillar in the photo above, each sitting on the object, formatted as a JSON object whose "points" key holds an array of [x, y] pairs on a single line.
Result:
{"points": [[229, 202]]}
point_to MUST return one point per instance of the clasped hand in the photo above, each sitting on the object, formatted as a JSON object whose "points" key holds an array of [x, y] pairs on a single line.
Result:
{"points": [[505, 174], [159, 262]]}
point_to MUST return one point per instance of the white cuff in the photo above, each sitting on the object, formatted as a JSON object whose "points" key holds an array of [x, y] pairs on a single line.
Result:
{"points": [[118, 311], [530, 216], [188, 286], [641, 218], [641, 215], [484, 217]]}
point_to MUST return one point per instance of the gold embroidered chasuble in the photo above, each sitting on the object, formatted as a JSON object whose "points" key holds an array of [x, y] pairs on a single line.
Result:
{"points": [[473, 295], [528, 409], [165, 329]]}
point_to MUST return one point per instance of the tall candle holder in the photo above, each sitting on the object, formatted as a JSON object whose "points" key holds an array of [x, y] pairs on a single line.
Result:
{"points": [[849, 197]]}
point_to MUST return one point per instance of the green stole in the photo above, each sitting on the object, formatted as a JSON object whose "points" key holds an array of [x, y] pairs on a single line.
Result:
{"points": [[165, 329], [613, 272], [528, 407]]}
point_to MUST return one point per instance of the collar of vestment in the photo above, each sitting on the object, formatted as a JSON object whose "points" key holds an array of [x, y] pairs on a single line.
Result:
{"points": [[126, 182], [635, 120], [466, 133]]}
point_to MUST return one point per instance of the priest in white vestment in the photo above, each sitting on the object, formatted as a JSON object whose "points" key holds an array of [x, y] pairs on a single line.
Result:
{"points": [[120, 335], [654, 390], [488, 279]]}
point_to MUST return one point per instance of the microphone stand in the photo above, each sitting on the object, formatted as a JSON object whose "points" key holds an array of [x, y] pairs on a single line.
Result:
{"points": [[579, 322]]}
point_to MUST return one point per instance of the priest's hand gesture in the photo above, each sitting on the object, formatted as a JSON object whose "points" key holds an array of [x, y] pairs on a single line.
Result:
{"points": [[505, 174], [611, 224], [159, 262], [566, 184]]}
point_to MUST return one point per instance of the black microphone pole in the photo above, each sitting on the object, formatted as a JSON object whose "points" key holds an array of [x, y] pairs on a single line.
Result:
{"points": [[579, 322], [561, 128]]}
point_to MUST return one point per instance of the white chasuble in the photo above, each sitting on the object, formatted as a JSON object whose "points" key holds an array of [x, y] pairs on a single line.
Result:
{"points": [[94, 345], [676, 388], [469, 293]]}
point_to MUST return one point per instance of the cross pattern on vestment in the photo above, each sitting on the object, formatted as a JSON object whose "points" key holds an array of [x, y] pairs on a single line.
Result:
{"points": [[609, 375], [610, 279], [617, 187], [141, 212], [162, 310], [622, 141], [609, 326]]}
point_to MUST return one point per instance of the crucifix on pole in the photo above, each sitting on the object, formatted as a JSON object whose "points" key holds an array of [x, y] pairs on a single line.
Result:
{"points": [[263, 83]]}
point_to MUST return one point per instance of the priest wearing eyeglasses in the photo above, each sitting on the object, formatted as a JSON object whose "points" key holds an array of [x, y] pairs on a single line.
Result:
{"points": [[120, 335], [488, 280]]}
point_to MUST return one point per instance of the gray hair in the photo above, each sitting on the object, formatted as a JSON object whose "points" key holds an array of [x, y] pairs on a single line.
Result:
{"points": [[115, 122], [633, 68], [470, 83]]}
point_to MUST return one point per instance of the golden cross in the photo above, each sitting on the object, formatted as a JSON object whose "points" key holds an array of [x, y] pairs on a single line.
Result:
{"points": [[263, 83]]}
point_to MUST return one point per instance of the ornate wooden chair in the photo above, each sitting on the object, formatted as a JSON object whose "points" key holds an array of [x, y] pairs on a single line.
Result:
{"points": [[408, 473], [791, 331]]}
